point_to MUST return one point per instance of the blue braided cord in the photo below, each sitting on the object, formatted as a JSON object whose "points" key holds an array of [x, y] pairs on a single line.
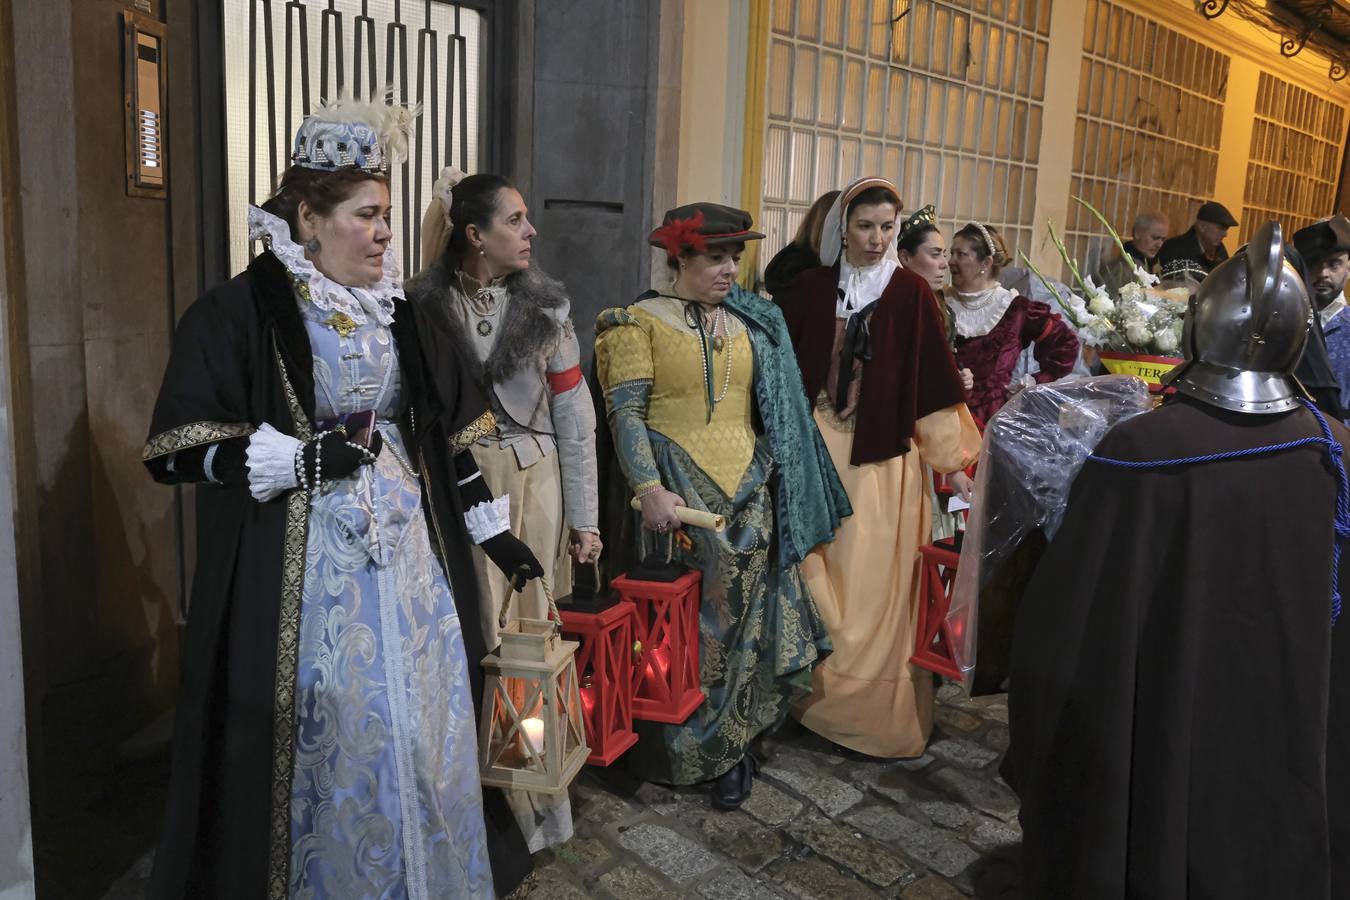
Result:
{"points": [[1208, 457], [1342, 523], [1334, 452]]}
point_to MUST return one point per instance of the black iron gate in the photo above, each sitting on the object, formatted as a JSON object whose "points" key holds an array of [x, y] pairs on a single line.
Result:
{"points": [[426, 52]]}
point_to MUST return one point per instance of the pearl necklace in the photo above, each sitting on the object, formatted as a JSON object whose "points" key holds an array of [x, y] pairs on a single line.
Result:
{"points": [[719, 319], [977, 300]]}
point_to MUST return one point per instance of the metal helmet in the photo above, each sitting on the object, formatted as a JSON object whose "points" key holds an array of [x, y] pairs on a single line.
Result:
{"points": [[1245, 330]]}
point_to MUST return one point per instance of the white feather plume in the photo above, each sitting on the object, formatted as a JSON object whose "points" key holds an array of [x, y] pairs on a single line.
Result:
{"points": [[393, 122]]}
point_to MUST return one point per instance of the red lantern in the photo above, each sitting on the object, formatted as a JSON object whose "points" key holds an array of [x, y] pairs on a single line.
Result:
{"points": [[934, 642], [605, 665], [666, 686]]}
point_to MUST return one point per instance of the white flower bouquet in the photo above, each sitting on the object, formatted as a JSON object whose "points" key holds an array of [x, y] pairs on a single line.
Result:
{"points": [[1136, 332]]}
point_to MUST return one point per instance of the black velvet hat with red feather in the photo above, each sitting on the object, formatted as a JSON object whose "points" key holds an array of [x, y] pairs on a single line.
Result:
{"points": [[698, 226]]}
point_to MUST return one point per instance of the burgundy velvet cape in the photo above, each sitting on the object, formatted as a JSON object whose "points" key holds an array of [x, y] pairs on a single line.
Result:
{"points": [[911, 373]]}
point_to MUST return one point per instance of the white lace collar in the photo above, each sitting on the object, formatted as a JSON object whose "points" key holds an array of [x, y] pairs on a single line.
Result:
{"points": [[977, 314], [860, 285], [376, 301]]}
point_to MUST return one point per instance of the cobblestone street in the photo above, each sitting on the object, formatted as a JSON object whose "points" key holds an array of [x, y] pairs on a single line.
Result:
{"points": [[821, 823]]}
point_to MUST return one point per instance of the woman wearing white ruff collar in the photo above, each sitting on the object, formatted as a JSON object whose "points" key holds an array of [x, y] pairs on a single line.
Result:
{"points": [[325, 743], [994, 325], [870, 341]]}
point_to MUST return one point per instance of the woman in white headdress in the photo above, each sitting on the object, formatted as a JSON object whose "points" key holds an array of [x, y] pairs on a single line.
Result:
{"points": [[325, 743], [875, 362]]}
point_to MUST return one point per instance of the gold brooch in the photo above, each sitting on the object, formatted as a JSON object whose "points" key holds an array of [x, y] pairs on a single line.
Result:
{"points": [[342, 323]]}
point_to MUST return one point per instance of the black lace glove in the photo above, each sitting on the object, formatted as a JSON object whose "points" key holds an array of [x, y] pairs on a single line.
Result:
{"points": [[510, 554], [331, 457]]}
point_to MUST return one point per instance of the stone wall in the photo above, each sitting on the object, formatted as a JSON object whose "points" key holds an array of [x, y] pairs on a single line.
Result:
{"points": [[101, 271], [597, 105]]}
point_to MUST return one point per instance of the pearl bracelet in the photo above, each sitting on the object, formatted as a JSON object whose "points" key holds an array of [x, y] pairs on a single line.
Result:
{"points": [[300, 476]]}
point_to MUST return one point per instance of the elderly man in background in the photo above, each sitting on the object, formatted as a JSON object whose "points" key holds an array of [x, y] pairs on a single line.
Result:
{"points": [[1146, 239], [1203, 242]]}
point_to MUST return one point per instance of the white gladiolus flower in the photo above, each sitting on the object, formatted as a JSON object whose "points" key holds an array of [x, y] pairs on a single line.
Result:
{"points": [[1146, 276], [1101, 305], [1132, 292], [1166, 341], [1098, 329], [1137, 333]]}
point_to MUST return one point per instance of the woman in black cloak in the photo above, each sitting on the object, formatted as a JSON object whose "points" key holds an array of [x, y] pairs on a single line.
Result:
{"points": [[325, 742]]}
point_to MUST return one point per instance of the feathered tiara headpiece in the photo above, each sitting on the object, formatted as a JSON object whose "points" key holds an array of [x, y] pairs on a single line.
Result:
{"points": [[371, 135]]}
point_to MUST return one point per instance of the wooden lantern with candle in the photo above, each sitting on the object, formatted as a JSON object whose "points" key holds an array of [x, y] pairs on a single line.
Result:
{"points": [[531, 736]]}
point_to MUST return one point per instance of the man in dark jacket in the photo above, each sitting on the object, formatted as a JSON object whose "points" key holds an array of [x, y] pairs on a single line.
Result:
{"points": [[1203, 242], [1146, 239]]}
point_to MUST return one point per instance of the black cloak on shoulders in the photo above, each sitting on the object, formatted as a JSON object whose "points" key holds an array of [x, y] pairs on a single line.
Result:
{"points": [[241, 357], [1179, 698]]}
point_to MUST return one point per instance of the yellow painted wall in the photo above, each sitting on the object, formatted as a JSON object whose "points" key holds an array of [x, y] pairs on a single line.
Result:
{"points": [[1062, 70], [709, 87], [1235, 141]]}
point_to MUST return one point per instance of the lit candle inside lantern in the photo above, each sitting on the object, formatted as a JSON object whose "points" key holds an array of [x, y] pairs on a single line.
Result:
{"points": [[658, 668], [534, 733], [588, 700]]}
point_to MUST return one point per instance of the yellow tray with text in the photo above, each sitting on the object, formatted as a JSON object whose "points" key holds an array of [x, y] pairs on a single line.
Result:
{"points": [[1150, 368]]}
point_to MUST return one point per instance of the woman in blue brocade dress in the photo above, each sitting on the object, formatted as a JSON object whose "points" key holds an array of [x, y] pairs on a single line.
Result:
{"points": [[326, 742]]}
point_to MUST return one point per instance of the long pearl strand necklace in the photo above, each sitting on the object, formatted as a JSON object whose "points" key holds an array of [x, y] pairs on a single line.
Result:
{"points": [[719, 342]]}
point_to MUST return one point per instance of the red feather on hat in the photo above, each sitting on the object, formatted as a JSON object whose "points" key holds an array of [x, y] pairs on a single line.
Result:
{"points": [[677, 234]]}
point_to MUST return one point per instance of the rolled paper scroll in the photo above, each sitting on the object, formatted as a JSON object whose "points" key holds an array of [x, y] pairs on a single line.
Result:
{"points": [[695, 517]]}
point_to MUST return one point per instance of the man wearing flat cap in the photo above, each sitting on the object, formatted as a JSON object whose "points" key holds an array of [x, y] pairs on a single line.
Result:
{"points": [[1203, 242], [1325, 248]]}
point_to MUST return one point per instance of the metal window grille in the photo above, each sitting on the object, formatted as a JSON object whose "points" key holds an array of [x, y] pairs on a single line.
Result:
{"points": [[1292, 170], [943, 96], [282, 57], [1150, 112]]}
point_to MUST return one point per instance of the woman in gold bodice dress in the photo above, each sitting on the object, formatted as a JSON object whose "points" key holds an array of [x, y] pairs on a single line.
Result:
{"points": [[705, 404]]}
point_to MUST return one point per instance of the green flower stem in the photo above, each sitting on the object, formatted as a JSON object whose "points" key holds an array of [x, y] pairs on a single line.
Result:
{"points": [[1120, 245], [1064, 254], [1051, 288]]}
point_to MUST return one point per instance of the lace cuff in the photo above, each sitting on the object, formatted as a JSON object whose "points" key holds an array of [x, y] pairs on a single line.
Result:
{"points": [[271, 463], [489, 519]]}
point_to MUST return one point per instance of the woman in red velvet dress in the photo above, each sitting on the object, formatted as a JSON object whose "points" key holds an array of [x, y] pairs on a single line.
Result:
{"points": [[994, 325]]}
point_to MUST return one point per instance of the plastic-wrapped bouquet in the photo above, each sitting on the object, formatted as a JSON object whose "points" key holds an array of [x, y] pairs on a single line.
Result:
{"points": [[1136, 332]]}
